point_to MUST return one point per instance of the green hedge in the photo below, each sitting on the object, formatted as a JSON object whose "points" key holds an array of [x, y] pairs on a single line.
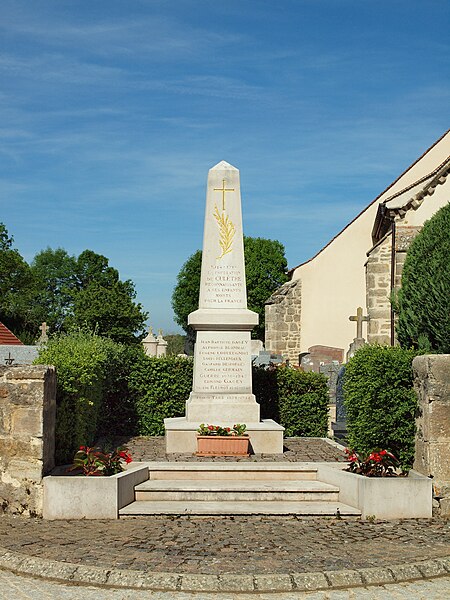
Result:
{"points": [[160, 387], [380, 401], [84, 364], [297, 400]]}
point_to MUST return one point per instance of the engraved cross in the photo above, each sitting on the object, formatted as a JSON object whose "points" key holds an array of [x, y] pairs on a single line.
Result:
{"points": [[223, 189], [359, 321]]}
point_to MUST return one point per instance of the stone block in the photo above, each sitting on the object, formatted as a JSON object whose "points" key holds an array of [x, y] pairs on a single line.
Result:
{"points": [[27, 421]]}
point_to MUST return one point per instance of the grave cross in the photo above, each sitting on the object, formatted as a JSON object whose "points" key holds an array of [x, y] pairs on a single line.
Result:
{"points": [[44, 330], [9, 360], [359, 321]]}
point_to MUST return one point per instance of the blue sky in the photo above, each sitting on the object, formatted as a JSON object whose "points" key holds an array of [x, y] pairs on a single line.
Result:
{"points": [[112, 112]]}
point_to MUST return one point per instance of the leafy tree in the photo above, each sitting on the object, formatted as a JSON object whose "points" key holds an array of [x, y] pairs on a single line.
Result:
{"points": [[15, 286], [265, 271], [265, 266], [175, 343], [110, 311], [54, 276], [424, 298]]}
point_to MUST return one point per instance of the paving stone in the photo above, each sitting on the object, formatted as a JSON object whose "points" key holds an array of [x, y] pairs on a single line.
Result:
{"points": [[377, 576], [197, 582], [310, 581], [275, 583], [405, 572], [344, 578]]}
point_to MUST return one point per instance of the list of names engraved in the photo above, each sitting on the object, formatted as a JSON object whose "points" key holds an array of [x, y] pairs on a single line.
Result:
{"points": [[222, 365]]}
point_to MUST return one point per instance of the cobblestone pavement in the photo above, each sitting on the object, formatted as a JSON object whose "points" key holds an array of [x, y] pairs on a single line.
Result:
{"points": [[14, 587], [217, 545], [295, 450]]}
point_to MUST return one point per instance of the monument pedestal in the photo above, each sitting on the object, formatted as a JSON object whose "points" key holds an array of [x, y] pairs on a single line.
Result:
{"points": [[266, 437]]}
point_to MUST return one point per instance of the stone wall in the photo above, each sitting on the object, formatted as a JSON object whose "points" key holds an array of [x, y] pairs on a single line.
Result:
{"points": [[378, 282], [27, 436], [432, 457], [283, 312]]}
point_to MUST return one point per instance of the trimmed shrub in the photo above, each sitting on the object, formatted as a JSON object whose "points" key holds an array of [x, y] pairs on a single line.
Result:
{"points": [[295, 399], [424, 298], [160, 387], [83, 364], [380, 401], [118, 416]]}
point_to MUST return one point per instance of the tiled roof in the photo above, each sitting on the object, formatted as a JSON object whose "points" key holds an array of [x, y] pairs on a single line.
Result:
{"points": [[7, 338]]}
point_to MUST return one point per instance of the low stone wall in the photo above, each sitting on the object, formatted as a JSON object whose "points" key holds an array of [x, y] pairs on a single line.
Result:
{"points": [[432, 384], [27, 436]]}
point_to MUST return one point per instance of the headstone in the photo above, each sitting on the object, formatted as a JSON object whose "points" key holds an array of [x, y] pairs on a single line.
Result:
{"points": [[358, 341], [339, 426], [318, 356], [331, 371], [222, 383], [150, 343]]}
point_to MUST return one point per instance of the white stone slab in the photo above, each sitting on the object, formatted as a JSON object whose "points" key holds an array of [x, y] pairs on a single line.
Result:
{"points": [[238, 508]]}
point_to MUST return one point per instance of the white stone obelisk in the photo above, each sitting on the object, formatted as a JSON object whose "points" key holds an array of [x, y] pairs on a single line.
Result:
{"points": [[222, 384], [222, 387]]}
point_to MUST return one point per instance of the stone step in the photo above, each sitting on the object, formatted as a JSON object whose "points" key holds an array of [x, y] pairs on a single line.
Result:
{"points": [[228, 490], [307, 509], [236, 471]]}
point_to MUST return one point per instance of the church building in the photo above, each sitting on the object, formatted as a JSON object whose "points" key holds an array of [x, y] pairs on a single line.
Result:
{"points": [[359, 267]]}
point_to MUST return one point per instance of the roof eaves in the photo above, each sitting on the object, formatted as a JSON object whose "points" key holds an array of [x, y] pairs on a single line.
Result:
{"points": [[291, 271]]}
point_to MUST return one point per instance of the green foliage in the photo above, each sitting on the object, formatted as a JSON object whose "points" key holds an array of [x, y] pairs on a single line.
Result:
{"points": [[265, 271], [83, 365], [118, 416], [186, 292], [15, 285], [175, 343], [295, 399], [265, 267], [380, 401], [424, 298], [161, 387], [54, 275]]}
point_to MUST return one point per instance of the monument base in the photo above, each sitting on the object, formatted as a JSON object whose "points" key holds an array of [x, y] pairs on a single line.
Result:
{"points": [[266, 437], [224, 408]]}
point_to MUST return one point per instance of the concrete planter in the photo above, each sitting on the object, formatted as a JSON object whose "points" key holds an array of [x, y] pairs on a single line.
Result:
{"points": [[69, 497], [383, 497], [217, 445]]}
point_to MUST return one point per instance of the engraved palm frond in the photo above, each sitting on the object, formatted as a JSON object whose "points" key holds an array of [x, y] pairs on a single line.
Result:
{"points": [[226, 231]]}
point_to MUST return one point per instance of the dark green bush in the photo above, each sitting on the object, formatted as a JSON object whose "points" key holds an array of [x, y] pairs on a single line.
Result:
{"points": [[160, 387], [424, 298], [83, 365], [380, 401], [118, 415], [296, 400]]}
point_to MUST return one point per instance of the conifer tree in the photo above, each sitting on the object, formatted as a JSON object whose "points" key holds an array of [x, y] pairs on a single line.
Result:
{"points": [[424, 298]]}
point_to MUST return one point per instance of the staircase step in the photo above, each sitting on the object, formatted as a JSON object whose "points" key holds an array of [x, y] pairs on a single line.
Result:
{"points": [[227, 490], [232, 470], [142, 508]]}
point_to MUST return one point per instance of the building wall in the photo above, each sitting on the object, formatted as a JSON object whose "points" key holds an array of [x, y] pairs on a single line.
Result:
{"points": [[378, 265], [334, 281], [283, 314], [27, 436]]}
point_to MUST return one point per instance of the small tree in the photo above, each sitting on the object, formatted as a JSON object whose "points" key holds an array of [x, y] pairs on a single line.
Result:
{"points": [[424, 298], [265, 270], [380, 401]]}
